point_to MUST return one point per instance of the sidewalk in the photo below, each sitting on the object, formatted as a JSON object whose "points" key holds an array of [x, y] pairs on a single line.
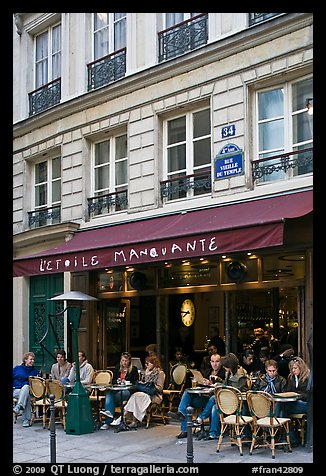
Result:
{"points": [[157, 444]]}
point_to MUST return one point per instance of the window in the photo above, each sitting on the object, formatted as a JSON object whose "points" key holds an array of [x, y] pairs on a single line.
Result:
{"points": [[48, 56], [188, 155], [110, 176], [284, 128], [109, 33], [47, 193]]}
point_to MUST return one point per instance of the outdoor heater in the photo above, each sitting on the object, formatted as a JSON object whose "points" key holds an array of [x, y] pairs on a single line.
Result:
{"points": [[79, 418]]}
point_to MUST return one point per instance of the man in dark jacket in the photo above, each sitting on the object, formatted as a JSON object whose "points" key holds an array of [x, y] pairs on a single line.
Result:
{"points": [[21, 373]]}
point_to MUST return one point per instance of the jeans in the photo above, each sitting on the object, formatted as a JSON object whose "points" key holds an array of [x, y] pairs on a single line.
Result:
{"points": [[113, 399], [190, 400], [210, 411], [24, 400]]}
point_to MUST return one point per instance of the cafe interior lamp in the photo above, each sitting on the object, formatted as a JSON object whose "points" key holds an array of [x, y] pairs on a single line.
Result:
{"points": [[79, 419], [310, 106]]}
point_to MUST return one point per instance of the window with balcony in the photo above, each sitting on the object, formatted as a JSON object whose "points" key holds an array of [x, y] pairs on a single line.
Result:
{"points": [[183, 32], [255, 18], [187, 156], [284, 132], [47, 91], [47, 193], [110, 177], [109, 35]]}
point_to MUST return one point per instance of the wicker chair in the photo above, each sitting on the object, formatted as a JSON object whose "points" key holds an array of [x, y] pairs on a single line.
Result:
{"points": [[178, 374], [155, 410], [56, 388], [229, 408], [100, 377], [39, 399], [299, 421], [265, 423]]}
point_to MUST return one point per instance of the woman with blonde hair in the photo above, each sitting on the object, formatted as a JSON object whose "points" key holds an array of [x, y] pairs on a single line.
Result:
{"points": [[297, 381], [137, 404]]}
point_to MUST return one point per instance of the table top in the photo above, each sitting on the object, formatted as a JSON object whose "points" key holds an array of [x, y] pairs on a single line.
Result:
{"points": [[201, 390]]}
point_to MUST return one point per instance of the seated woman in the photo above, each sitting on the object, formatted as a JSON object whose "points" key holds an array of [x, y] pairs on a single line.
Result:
{"points": [[124, 370], [139, 401], [297, 382]]}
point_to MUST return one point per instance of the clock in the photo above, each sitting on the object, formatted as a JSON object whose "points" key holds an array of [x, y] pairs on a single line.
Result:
{"points": [[188, 313]]}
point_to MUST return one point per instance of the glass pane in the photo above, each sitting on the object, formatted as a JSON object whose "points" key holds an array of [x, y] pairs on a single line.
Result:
{"points": [[202, 123], [102, 153], [202, 152], [173, 18], [271, 135], [302, 127], [177, 130], [41, 73], [101, 43], [56, 191], [270, 104], [121, 147], [56, 39], [300, 92], [102, 178], [41, 172], [100, 20], [121, 172], [41, 195], [42, 46], [120, 33], [56, 168], [177, 158]]}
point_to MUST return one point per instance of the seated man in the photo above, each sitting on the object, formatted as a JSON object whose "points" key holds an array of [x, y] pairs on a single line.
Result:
{"points": [[199, 401], [85, 369], [271, 382], [21, 373]]}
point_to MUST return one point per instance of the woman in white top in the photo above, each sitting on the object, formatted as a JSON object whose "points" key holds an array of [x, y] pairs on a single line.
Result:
{"points": [[139, 401]]}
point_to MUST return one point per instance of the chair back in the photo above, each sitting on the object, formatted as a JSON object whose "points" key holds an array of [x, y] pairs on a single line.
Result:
{"points": [[178, 374], [37, 386], [228, 400], [56, 388], [102, 377], [261, 404]]}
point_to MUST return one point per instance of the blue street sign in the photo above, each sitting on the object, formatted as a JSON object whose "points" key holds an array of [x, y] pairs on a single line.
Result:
{"points": [[228, 164]]}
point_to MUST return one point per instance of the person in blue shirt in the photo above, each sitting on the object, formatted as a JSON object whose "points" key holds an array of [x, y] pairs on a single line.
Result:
{"points": [[21, 373]]}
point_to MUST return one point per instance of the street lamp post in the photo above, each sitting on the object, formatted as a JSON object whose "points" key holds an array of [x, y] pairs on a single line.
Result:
{"points": [[79, 418]]}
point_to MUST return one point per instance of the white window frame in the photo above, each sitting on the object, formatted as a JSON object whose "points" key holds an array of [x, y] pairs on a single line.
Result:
{"points": [[49, 182], [111, 187], [288, 115], [111, 28], [50, 73], [189, 141]]}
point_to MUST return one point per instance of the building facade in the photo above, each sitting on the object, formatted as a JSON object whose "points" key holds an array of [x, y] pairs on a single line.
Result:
{"points": [[158, 158]]}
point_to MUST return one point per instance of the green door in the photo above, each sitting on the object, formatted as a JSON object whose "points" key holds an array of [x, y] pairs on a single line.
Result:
{"points": [[46, 319]]}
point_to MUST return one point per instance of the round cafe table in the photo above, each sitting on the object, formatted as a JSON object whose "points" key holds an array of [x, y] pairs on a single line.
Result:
{"points": [[98, 389], [203, 391], [119, 388]]}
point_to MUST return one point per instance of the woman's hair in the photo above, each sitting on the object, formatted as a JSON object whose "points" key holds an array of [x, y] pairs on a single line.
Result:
{"points": [[61, 352], [230, 361], [304, 369], [126, 355], [153, 359], [28, 354]]}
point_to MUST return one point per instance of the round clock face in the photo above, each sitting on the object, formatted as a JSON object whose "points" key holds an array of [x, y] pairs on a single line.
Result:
{"points": [[188, 312]]}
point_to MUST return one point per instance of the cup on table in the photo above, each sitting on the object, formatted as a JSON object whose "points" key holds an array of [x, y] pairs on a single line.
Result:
{"points": [[193, 383]]}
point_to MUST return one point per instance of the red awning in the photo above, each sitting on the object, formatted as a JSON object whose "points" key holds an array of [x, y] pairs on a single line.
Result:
{"points": [[243, 226]]}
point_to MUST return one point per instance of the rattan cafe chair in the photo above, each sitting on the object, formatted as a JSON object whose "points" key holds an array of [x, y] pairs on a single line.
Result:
{"points": [[56, 388], [265, 423], [39, 399], [100, 377], [178, 374], [229, 408]]}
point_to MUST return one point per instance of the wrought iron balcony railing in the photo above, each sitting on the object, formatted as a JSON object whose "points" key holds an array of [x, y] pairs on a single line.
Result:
{"points": [[255, 18], [183, 37], [106, 70], [301, 161], [45, 216], [45, 97], [108, 203], [178, 187]]}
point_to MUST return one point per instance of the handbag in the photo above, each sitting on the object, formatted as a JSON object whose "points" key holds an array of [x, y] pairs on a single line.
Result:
{"points": [[147, 387]]}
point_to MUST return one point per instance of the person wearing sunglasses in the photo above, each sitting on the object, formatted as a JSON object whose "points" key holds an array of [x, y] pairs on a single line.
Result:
{"points": [[123, 371]]}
